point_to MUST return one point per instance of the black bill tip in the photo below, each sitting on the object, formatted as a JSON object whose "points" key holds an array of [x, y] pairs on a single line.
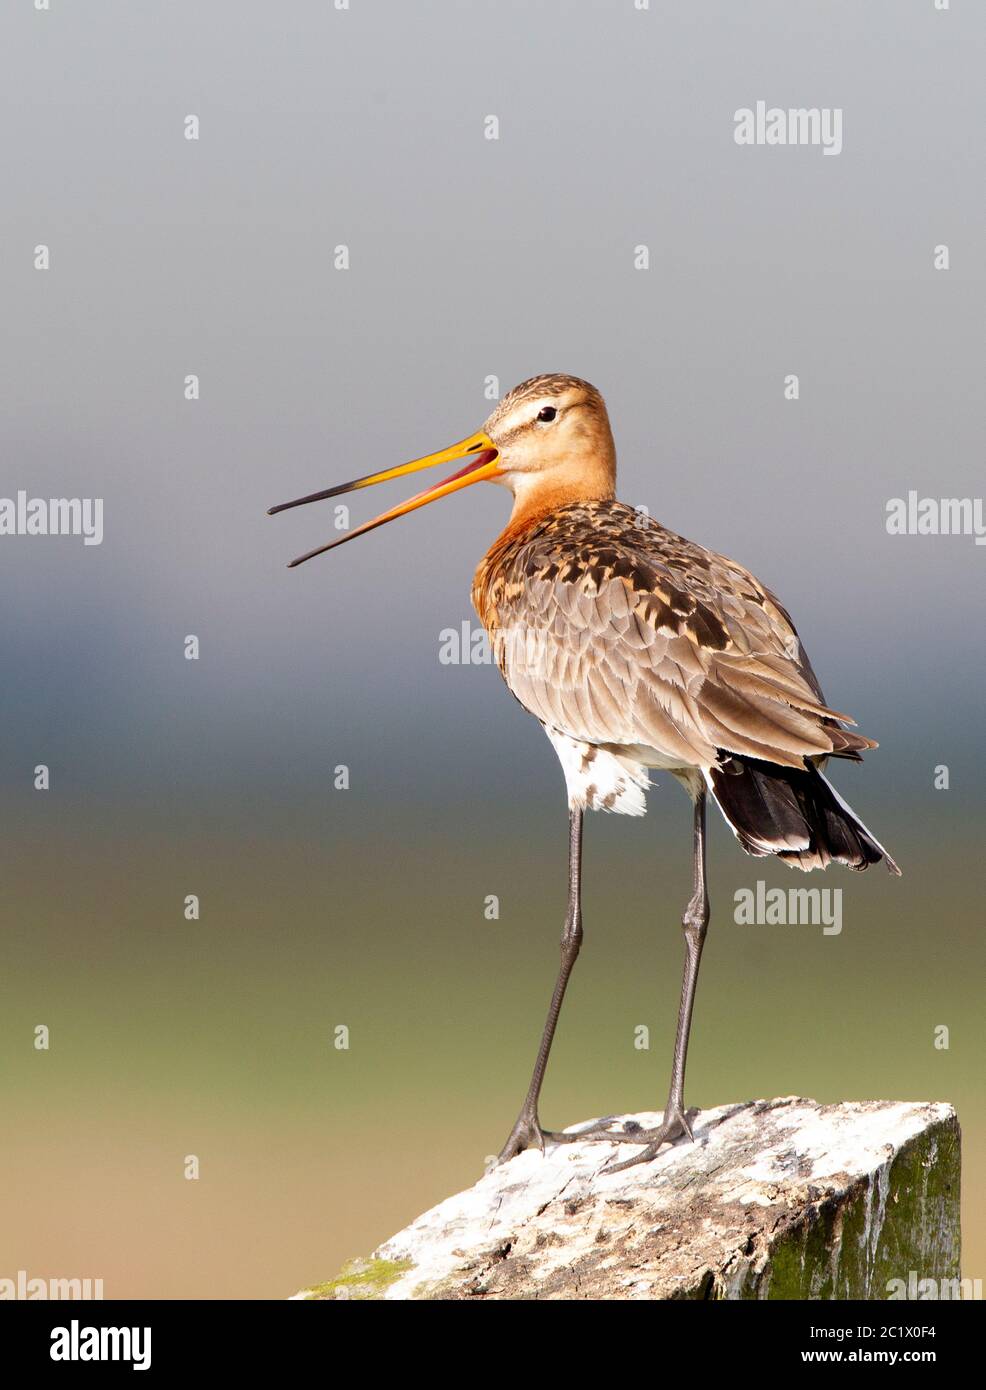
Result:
{"points": [[315, 497]]}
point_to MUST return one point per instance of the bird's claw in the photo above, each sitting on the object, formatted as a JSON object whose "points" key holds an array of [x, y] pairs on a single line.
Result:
{"points": [[593, 1134], [526, 1134], [674, 1126]]}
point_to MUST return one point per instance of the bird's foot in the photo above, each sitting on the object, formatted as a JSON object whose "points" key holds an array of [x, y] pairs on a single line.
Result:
{"points": [[597, 1133], [674, 1126], [526, 1134]]}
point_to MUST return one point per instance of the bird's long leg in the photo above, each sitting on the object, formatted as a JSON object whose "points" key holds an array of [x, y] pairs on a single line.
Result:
{"points": [[694, 921], [527, 1132]]}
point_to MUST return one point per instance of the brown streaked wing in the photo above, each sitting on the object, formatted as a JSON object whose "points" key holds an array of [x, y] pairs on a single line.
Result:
{"points": [[613, 630]]}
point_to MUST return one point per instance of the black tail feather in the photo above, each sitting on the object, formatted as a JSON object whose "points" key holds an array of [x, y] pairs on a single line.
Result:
{"points": [[793, 813]]}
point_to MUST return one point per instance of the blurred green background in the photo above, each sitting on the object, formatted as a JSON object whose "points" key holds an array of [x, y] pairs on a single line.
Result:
{"points": [[216, 1038]]}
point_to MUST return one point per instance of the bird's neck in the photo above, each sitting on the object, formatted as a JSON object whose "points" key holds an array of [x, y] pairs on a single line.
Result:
{"points": [[531, 505]]}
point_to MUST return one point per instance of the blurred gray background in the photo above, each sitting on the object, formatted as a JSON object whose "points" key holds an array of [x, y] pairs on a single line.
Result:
{"points": [[469, 257]]}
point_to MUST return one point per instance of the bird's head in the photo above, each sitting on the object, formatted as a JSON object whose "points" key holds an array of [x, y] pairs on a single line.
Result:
{"points": [[552, 437], [548, 441]]}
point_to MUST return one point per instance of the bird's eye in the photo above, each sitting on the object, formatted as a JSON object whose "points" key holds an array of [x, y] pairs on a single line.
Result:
{"points": [[547, 412]]}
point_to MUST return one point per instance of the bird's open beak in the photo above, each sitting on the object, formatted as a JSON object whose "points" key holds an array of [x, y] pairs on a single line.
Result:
{"points": [[475, 471]]}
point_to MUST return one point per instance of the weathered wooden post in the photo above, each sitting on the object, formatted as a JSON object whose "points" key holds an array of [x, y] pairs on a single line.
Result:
{"points": [[782, 1199]]}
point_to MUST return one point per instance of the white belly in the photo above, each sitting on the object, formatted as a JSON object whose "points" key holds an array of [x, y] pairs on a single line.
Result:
{"points": [[614, 778]]}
